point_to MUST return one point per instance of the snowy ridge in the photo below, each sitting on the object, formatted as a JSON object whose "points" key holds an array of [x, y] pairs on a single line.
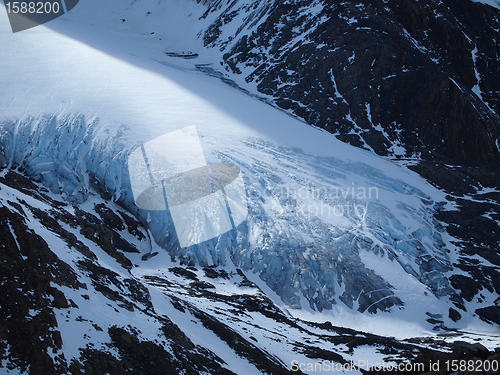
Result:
{"points": [[107, 297]]}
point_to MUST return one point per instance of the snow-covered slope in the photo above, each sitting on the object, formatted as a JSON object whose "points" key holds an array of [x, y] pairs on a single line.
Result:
{"points": [[493, 3], [334, 233]]}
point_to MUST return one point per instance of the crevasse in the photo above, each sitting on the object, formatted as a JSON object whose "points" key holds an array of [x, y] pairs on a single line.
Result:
{"points": [[295, 237]]}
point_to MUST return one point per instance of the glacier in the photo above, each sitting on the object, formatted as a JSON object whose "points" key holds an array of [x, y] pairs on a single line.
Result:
{"points": [[310, 217]]}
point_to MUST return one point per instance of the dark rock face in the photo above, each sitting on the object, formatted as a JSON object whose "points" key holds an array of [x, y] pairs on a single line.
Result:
{"points": [[378, 74], [476, 224], [490, 314], [146, 357], [31, 275], [28, 267]]}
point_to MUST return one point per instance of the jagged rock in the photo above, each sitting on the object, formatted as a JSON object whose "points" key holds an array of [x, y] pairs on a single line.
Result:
{"points": [[490, 313], [454, 315], [407, 67]]}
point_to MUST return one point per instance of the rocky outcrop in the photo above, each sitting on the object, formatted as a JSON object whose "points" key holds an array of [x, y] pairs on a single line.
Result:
{"points": [[476, 223], [403, 78]]}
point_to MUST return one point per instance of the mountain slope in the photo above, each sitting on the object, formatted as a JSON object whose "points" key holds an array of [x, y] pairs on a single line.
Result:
{"points": [[402, 78], [334, 233], [91, 297]]}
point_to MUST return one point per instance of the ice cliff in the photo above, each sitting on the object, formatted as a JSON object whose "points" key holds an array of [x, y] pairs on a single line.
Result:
{"points": [[314, 227]]}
